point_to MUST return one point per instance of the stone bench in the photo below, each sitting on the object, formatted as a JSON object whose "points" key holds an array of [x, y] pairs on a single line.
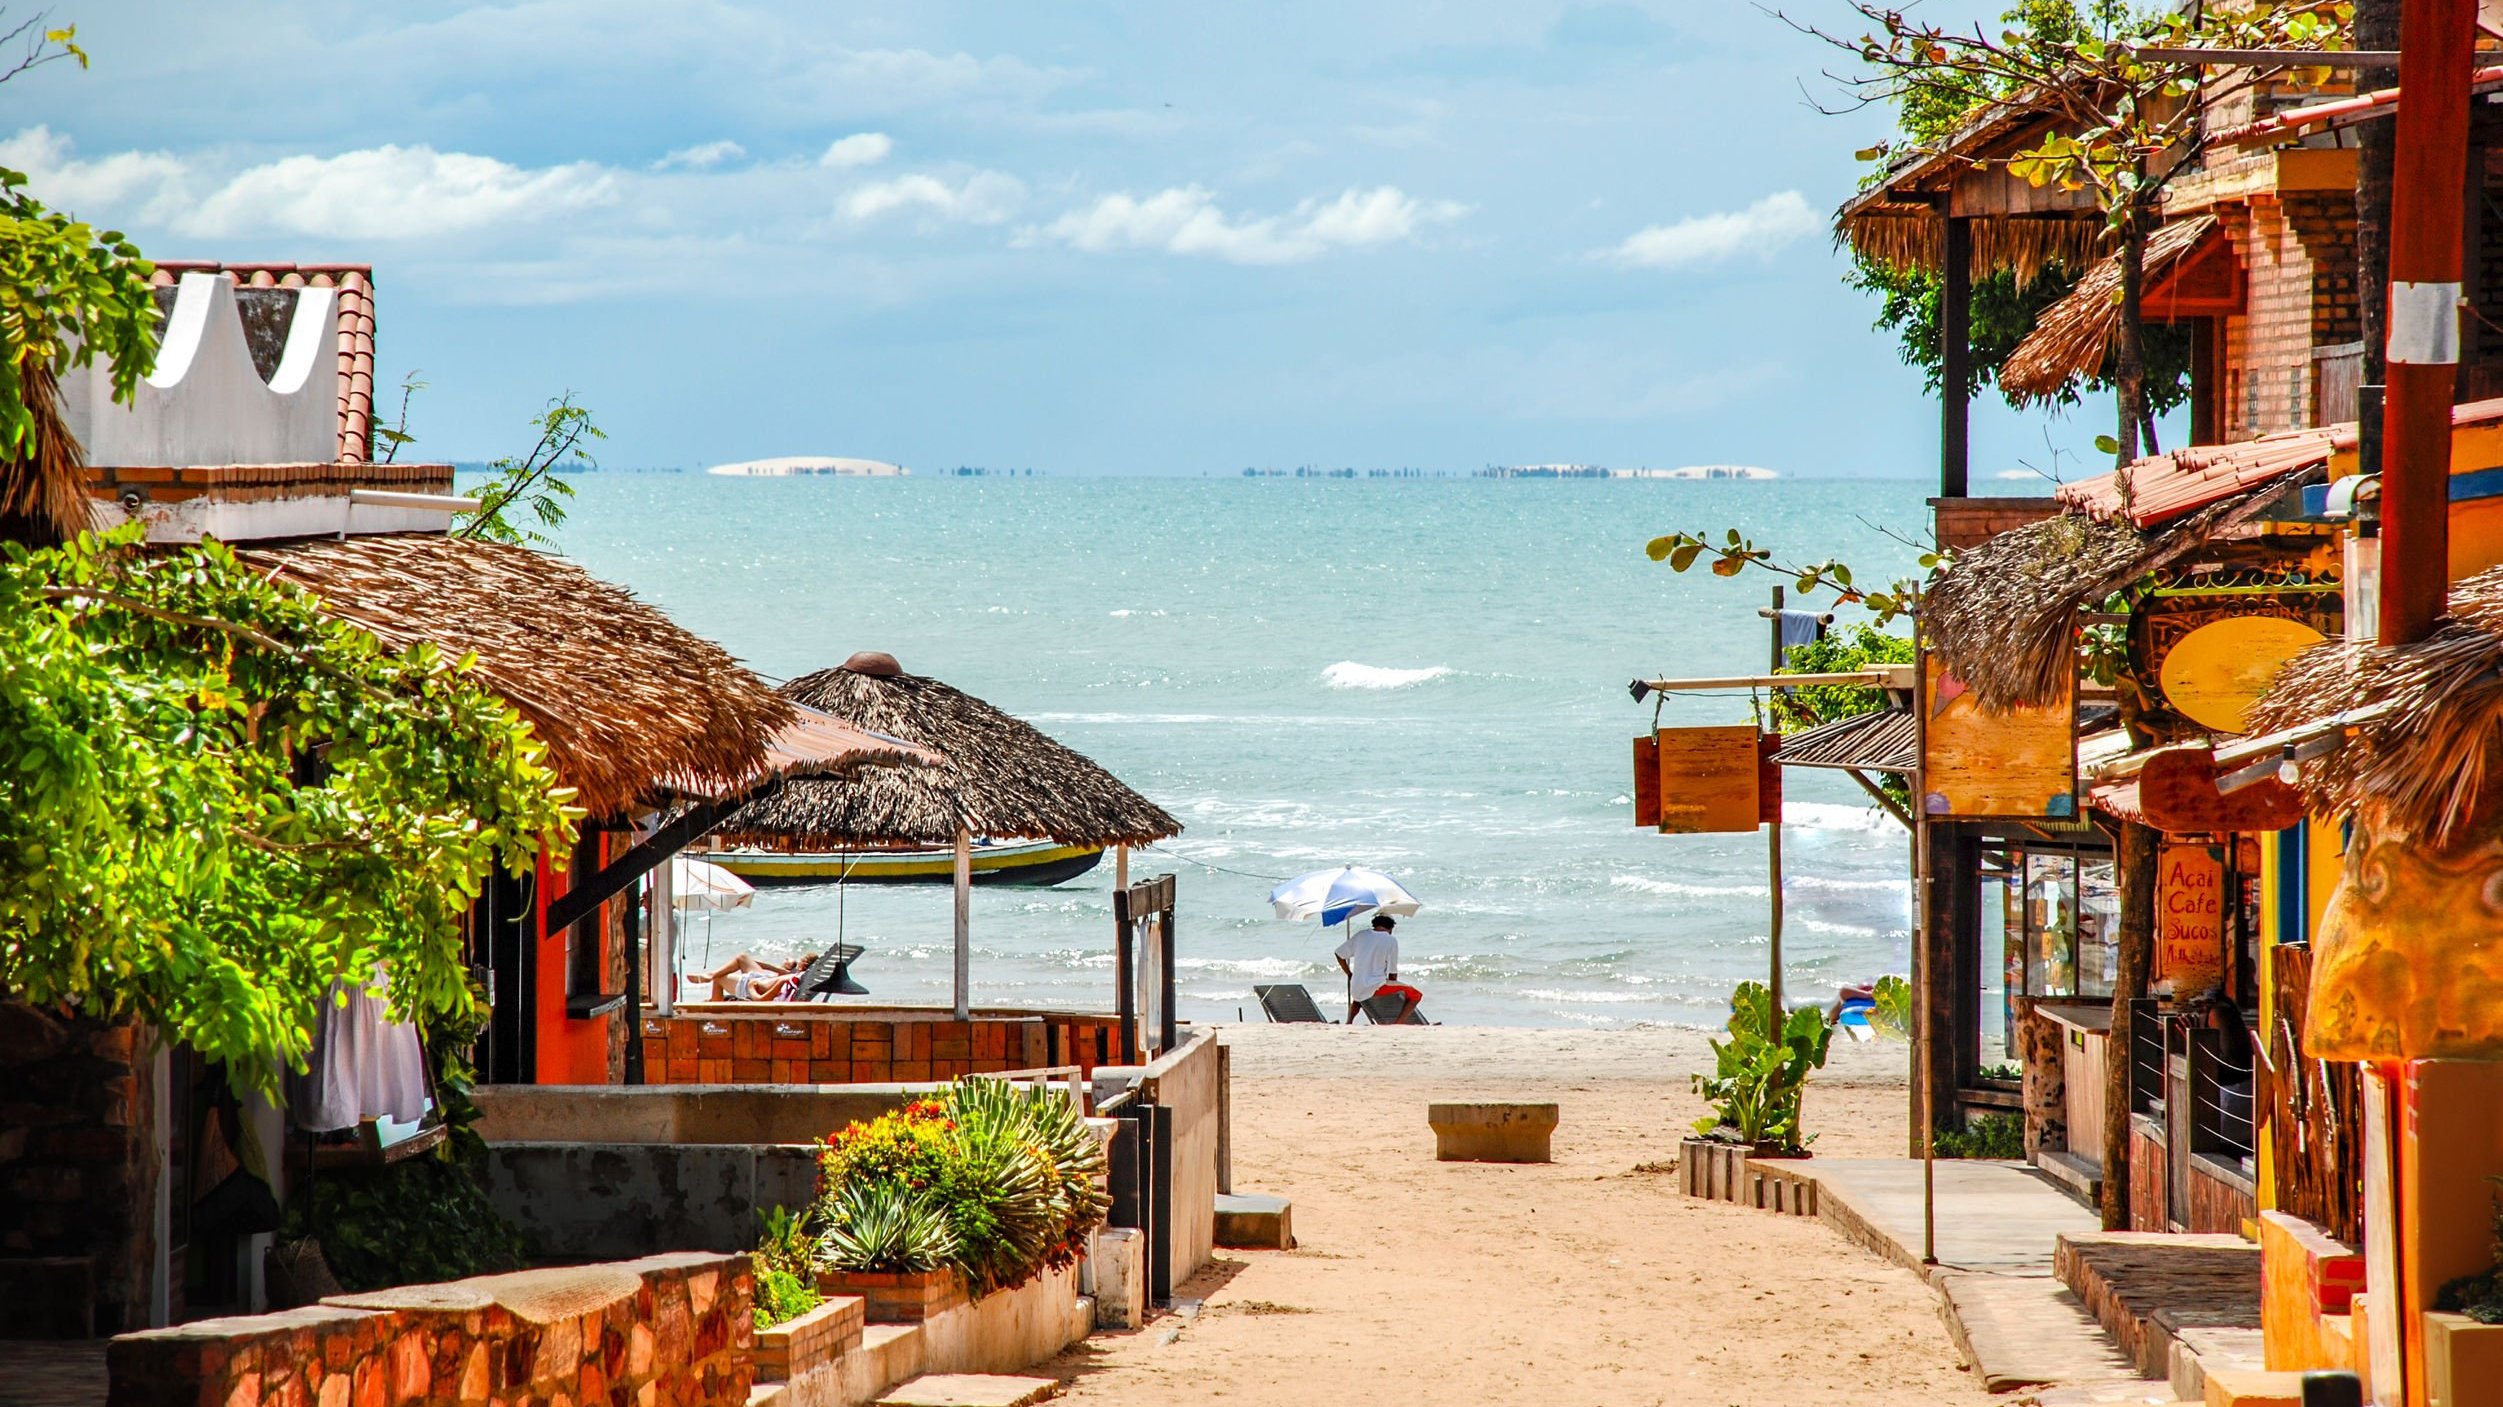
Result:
{"points": [[1253, 1221], [1492, 1132]]}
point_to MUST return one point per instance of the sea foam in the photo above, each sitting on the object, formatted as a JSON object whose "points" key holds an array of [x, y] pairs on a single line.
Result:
{"points": [[1348, 674]]}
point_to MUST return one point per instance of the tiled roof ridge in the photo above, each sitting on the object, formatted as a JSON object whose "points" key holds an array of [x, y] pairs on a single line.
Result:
{"points": [[355, 283]]}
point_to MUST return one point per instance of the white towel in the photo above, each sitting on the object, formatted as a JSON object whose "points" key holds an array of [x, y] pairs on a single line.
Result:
{"points": [[364, 1065]]}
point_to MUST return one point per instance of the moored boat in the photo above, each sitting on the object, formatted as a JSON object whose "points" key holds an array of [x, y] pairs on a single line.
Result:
{"points": [[1034, 863]]}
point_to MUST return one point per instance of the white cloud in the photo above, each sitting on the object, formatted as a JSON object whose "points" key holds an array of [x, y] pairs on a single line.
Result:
{"points": [[1186, 220], [395, 192], [1759, 229], [982, 198], [702, 157], [858, 149], [125, 186]]}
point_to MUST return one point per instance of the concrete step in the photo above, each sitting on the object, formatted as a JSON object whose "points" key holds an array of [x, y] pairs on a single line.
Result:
{"points": [[892, 1354], [2238, 1387], [1253, 1221], [970, 1390]]}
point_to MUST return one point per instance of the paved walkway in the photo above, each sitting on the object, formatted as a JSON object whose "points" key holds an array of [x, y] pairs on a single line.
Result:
{"points": [[1997, 1225]]}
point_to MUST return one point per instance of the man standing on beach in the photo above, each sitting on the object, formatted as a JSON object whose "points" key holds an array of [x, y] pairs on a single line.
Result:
{"points": [[1370, 959]]}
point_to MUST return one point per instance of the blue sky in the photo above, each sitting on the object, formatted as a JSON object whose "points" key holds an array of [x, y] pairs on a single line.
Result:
{"points": [[1083, 238]]}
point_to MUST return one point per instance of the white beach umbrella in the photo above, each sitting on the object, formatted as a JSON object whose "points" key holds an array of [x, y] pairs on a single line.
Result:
{"points": [[1335, 896], [694, 884]]}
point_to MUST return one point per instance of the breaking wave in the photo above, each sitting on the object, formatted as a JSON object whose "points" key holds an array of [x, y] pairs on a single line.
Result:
{"points": [[1348, 674]]}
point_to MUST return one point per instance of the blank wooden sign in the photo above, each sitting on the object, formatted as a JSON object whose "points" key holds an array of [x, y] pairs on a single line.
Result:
{"points": [[1710, 779], [1647, 782]]}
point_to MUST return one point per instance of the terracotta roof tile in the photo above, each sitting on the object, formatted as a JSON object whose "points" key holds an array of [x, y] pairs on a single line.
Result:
{"points": [[355, 283]]}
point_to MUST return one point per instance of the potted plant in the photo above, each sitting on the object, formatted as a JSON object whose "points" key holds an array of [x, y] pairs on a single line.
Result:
{"points": [[891, 1248], [1760, 1075]]}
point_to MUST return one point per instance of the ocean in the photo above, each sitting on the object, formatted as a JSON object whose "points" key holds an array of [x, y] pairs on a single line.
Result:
{"points": [[1426, 676]]}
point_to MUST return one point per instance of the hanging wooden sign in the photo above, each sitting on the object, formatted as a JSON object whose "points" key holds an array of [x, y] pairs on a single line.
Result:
{"points": [[1768, 780], [1711, 779], [2177, 792], [2189, 918], [1647, 782], [2209, 654], [2012, 764]]}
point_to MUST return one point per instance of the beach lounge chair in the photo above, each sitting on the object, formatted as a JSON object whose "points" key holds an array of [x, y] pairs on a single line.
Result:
{"points": [[831, 974], [1289, 1003]]}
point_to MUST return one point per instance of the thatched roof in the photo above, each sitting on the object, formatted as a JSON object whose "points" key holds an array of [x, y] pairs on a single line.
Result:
{"points": [[628, 703], [2072, 336], [2431, 764], [1899, 218], [1002, 777], [2002, 616]]}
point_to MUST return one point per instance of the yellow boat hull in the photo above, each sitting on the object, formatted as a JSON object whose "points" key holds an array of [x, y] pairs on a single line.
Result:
{"points": [[1036, 865]]}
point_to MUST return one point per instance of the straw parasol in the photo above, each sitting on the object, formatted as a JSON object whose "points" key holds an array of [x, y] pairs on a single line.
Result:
{"points": [[1002, 778], [2430, 764], [2071, 337]]}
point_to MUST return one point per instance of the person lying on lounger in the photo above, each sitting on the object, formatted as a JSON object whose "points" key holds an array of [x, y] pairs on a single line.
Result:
{"points": [[744, 978]]}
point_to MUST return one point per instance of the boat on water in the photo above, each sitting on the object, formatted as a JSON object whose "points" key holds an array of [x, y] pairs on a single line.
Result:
{"points": [[1034, 863]]}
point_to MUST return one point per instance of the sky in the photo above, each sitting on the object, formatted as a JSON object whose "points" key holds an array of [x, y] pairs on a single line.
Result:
{"points": [[1080, 238]]}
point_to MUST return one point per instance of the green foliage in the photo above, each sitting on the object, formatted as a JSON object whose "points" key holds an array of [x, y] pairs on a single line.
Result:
{"points": [[785, 1265], [1761, 1072], [1736, 552], [1004, 1173], [221, 800], [1843, 650], [886, 1226], [1983, 1136], [2004, 1070], [528, 484], [421, 1220], [1891, 1000], [69, 294]]}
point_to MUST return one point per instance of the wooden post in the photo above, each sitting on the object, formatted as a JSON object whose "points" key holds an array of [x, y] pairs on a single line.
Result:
{"points": [[1924, 1087], [964, 924], [1773, 856], [1125, 972], [2428, 178], [2134, 869], [1955, 356], [1121, 867], [634, 983]]}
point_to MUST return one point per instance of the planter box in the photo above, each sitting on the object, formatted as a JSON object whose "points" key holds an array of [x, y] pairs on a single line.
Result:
{"points": [[2464, 1360], [1722, 1172], [820, 1336], [897, 1296]]}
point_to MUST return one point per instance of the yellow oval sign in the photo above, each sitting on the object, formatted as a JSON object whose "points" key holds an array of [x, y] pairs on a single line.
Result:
{"points": [[2215, 673]]}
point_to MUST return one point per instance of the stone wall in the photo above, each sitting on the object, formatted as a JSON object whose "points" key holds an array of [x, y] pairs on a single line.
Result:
{"points": [[597, 1201], [805, 1043], [78, 1174], [664, 1331]]}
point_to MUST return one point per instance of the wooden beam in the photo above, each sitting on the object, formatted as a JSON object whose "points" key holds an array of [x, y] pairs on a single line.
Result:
{"points": [[598, 887]]}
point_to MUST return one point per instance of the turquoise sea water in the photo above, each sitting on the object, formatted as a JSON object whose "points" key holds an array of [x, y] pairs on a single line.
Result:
{"points": [[1427, 676]]}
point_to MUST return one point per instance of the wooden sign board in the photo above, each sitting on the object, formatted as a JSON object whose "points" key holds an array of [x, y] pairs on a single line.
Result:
{"points": [[1647, 782], [1710, 779], [2189, 918], [1768, 780], [2017, 764], [2214, 674], [2177, 792]]}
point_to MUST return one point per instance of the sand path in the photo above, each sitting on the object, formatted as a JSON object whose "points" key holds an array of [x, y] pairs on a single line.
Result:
{"points": [[1585, 1281]]}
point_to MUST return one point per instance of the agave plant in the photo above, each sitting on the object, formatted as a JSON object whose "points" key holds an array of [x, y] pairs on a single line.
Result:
{"points": [[884, 1226]]}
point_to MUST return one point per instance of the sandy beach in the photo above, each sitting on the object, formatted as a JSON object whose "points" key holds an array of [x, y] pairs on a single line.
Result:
{"points": [[1586, 1281]]}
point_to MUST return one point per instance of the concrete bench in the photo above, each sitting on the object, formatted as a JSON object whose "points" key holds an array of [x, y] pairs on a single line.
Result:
{"points": [[1491, 1133]]}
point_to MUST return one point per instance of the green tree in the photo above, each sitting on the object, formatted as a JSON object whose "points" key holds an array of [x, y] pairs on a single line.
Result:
{"points": [[221, 800], [529, 484], [68, 295]]}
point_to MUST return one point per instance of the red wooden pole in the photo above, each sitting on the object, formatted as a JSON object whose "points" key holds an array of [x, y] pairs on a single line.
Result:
{"points": [[2428, 177]]}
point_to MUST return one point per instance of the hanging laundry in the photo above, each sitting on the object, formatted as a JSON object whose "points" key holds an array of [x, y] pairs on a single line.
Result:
{"points": [[364, 1065]]}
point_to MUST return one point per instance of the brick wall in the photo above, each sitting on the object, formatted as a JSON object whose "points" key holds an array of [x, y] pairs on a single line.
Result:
{"points": [[254, 483], [799, 1044], [2298, 259], [1959, 523], [78, 1174], [665, 1331]]}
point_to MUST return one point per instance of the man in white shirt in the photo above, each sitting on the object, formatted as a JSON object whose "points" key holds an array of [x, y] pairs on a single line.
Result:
{"points": [[1370, 959]]}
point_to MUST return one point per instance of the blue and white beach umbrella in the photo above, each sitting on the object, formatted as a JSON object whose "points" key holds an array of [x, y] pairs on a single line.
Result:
{"points": [[1335, 896]]}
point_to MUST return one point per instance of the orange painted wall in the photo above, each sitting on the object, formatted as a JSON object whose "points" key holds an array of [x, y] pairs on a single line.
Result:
{"points": [[570, 1052]]}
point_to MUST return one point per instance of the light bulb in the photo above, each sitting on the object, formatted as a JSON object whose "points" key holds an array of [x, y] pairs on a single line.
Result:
{"points": [[2286, 770]]}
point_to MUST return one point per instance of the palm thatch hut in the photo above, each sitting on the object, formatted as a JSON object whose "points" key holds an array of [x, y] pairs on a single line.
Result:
{"points": [[2422, 723], [1002, 778], [2072, 337]]}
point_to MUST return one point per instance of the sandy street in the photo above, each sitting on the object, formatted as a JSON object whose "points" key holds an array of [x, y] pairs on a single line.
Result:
{"points": [[1586, 1281]]}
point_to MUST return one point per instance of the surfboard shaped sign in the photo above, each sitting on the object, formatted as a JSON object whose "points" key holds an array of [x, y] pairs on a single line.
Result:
{"points": [[2214, 674]]}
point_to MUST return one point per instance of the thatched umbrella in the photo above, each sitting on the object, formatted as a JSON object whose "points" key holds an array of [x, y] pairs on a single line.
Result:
{"points": [[1002, 778]]}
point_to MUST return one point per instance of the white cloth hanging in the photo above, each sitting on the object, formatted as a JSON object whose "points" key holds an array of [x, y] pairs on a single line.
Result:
{"points": [[364, 1065]]}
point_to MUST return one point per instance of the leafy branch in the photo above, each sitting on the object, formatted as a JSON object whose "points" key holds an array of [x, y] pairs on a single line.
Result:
{"points": [[1735, 553], [38, 45], [531, 482]]}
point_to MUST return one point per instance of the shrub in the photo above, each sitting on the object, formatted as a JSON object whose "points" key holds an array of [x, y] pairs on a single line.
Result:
{"points": [[994, 1180], [1983, 1136], [1761, 1072], [785, 1262]]}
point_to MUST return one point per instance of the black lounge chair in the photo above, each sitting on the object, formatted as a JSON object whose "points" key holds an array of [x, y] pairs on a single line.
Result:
{"points": [[831, 974], [1289, 1004]]}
